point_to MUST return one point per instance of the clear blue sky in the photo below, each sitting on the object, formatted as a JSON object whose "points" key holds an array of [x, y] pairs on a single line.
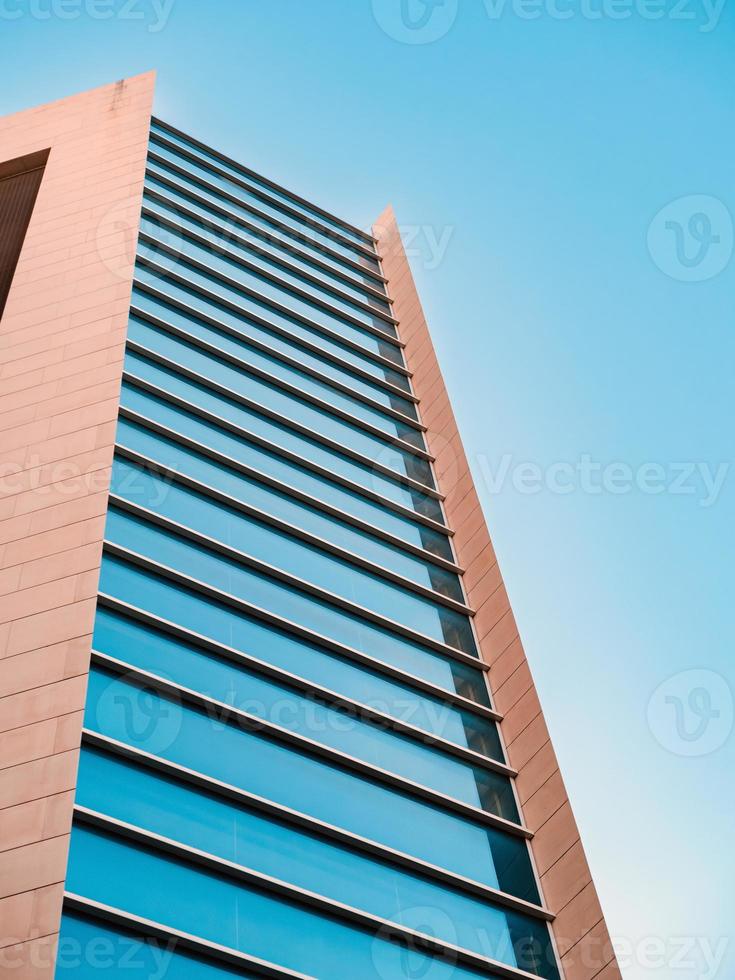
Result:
{"points": [[543, 148]]}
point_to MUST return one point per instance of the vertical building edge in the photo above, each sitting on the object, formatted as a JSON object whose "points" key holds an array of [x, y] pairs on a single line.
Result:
{"points": [[582, 940]]}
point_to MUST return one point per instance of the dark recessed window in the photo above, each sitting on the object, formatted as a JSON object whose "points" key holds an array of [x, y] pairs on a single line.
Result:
{"points": [[19, 183]]}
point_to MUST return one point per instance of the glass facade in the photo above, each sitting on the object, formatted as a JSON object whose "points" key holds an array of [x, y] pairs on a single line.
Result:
{"points": [[291, 765]]}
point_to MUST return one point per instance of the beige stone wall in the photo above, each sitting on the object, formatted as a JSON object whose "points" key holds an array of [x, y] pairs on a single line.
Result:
{"points": [[61, 349]]}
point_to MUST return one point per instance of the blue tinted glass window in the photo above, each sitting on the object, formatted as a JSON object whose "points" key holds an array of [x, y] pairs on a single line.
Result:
{"points": [[209, 618], [269, 190], [247, 690], [246, 306], [268, 293], [114, 633], [276, 341], [237, 915], [285, 403], [142, 331], [283, 599], [280, 504], [321, 304], [289, 553], [165, 806], [305, 231], [345, 263], [252, 423], [184, 459], [253, 762], [89, 946], [174, 228], [260, 593], [230, 230]]}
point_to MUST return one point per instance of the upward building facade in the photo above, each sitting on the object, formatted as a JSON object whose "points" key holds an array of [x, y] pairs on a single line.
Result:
{"points": [[265, 710]]}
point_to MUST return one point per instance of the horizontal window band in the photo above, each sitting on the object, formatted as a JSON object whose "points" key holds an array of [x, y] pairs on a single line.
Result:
{"points": [[235, 717], [154, 426], [172, 475], [185, 941], [302, 821], [265, 348], [237, 285], [267, 325], [199, 181], [335, 238], [248, 471], [248, 403], [273, 277], [347, 653], [237, 430], [321, 694], [300, 585], [285, 386], [248, 172], [253, 248], [388, 929], [229, 217], [209, 294], [400, 480], [293, 582], [367, 239], [185, 581], [264, 615]]}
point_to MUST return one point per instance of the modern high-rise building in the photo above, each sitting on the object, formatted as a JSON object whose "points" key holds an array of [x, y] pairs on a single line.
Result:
{"points": [[264, 707]]}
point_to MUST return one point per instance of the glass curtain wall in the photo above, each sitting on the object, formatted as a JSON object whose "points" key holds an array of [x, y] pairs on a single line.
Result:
{"points": [[291, 764]]}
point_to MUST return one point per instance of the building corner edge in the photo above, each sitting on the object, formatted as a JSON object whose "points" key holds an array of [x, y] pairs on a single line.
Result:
{"points": [[583, 943], [62, 341]]}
